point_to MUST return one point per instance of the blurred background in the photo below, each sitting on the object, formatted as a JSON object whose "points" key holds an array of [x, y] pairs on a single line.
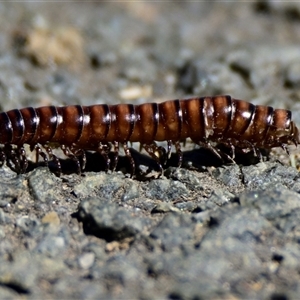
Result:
{"points": [[202, 234]]}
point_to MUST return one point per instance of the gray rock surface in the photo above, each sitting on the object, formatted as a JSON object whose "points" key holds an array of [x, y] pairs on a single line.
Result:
{"points": [[205, 231]]}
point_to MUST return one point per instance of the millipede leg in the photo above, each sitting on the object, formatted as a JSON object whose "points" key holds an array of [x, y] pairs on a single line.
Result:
{"points": [[162, 155], [12, 159], [258, 154], [151, 150], [2, 157], [128, 154], [220, 154], [294, 141], [256, 151], [169, 148], [104, 149], [54, 158], [116, 156], [81, 153], [232, 154], [69, 153], [232, 151], [179, 153], [23, 159], [58, 164], [214, 150], [39, 152], [83, 157], [283, 146], [11, 163]]}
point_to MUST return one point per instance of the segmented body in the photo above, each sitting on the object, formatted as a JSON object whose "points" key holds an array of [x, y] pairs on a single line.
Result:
{"points": [[219, 119]]}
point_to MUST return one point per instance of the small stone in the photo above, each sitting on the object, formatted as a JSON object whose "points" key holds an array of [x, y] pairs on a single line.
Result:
{"points": [[220, 197], [229, 175], [86, 260], [131, 192], [2, 233], [21, 273], [108, 221], [51, 245], [4, 217], [43, 190], [164, 207], [51, 218], [29, 225], [166, 190]]}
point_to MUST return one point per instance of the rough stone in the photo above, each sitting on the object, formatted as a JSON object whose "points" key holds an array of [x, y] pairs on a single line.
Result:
{"points": [[108, 221]]}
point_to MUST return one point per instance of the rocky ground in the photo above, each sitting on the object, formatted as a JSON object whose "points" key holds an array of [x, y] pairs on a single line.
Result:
{"points": [[207, 230]]}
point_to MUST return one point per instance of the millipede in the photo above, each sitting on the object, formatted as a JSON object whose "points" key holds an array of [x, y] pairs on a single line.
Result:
{"points": [[207, 121]]}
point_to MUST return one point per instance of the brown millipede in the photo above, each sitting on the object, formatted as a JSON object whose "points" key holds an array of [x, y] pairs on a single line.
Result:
{"points": [[218, 120]]}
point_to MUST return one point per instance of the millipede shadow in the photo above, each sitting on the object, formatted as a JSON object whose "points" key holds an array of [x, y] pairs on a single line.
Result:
{"points": [[196, 159]]}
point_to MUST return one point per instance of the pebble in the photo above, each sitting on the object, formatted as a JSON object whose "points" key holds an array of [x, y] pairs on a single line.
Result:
{"points": [[86, 260], [51, 218]]}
